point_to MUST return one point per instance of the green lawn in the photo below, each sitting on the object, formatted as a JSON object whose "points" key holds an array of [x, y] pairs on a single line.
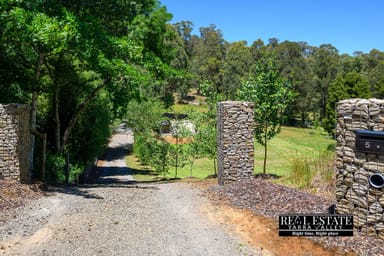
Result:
{"points": [[289, 144], [186, 108], [201, 169]]}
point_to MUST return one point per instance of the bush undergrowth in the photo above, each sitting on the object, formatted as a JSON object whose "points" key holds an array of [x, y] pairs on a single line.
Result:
{"points": [[56, 165]]}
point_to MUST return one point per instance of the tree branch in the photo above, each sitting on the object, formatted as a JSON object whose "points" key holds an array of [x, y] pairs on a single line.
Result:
{"points": [[78, 111]]}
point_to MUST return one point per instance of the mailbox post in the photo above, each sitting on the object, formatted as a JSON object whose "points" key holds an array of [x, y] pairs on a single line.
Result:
{"points": [[359, 165], [370, 141]]}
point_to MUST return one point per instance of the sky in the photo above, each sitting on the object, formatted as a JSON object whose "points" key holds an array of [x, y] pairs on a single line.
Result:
{"points": [[349, 25]]}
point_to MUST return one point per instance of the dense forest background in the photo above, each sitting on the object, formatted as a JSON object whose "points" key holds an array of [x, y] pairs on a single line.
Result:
{"points": [[79, 63]]}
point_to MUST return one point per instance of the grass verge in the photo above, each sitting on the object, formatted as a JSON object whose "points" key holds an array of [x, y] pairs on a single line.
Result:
{"points": [[290, 144], [201, 169], [186, 108]]}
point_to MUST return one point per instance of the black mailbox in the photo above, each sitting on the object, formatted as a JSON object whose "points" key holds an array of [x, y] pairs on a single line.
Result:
{"points": [[370, 141]]}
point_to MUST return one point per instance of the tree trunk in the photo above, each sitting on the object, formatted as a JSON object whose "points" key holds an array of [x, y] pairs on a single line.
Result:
{"points": [[67, 168], [265, 148], [177, 152], [214, 166], [44, 156], [57, 120], [34, 104], [265, 157], [190, 170], [78, 111], [33, 128], [56, 117]]}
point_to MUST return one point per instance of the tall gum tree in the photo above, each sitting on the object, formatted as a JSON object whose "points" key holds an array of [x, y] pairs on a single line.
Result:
{"points": [[237, 65], [325, 70]]}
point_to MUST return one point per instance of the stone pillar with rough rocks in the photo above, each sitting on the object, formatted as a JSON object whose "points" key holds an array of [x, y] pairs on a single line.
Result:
{"points": [[235, 123], [14, 142], [360, 163]]}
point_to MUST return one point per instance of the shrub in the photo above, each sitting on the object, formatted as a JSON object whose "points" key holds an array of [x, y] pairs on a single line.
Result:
{"points": [[160, 159], [56, 165], [143, 149], [55, 168]]}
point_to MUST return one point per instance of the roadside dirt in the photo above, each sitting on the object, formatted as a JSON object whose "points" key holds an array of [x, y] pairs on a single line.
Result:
{"points": [[262, 234], [13, 194], [264, 199]]}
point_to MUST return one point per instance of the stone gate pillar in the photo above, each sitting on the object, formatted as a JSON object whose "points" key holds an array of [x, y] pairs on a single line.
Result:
{"points": [[14, 142], [235, 141], [360, 163]]}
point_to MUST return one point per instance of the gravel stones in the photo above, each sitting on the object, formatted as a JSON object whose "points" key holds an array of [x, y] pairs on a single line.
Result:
{"points": [[268, 199], [157, 219]]}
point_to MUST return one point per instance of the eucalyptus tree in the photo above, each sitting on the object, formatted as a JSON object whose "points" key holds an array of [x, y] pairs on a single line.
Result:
{"points": [[376, 78], [373, 68], [273, 42], [325, 68], [176, 54], [294, 67], [184, 29], [257, 49], [236, 67], [209, 53], [345, 86]]}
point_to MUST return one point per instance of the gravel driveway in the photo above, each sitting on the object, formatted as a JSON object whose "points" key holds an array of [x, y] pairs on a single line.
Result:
{"points": [[117, 216]]}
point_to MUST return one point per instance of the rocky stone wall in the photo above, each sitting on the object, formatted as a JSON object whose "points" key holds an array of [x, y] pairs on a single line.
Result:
{"points": [[235, 141], [14, 142], [354, 167]]}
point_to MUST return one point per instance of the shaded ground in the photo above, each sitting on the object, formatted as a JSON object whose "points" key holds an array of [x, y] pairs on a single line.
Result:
{"points": [[111, 167]]}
